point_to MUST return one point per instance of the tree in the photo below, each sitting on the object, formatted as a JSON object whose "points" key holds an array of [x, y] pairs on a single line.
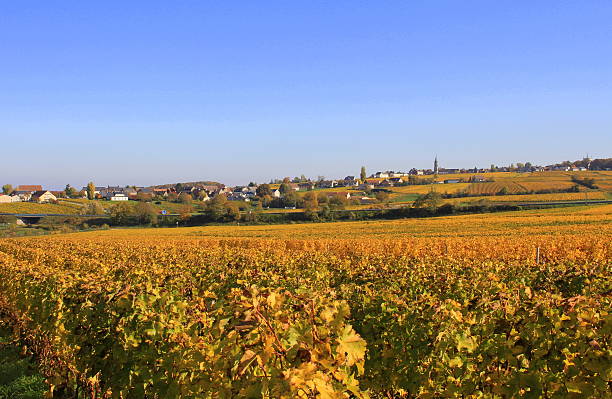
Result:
{"points": [[202, 195], [310, 201], [185, 198], [145, 213], [70, 191], [144, 197], [92, 208], [263, 190], [7, 189], [121, 213], [91, 191], [431, 200], [382, 196], [291, 198], [185, 211], [232, 211], [337, 202], [363, 174], [285, 188], [216, 208], [178, 187]]}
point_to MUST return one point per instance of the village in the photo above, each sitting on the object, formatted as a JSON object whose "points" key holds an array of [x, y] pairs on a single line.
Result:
{"points": [[361, 189]]}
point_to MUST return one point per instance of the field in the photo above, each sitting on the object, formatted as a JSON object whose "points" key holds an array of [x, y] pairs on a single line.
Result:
{"points": [[512, 304]]}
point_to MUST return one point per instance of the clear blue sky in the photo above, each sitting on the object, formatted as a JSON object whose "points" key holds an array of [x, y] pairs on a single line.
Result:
{"points": [[145, 92]]}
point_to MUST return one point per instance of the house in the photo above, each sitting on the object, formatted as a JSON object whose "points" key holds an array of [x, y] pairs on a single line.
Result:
{"points": [[396, 180], [210, 188], [43, 196], [452, 181], [339, 194], [5, 199], [346, 182], [381, 175], [366, 186], [307, 186], [478, 179], [238, 196], [118, 197], [97, 190], [385, 183], [276, 193], [162, 192], [23, 195], [29, 188], [416, 172], [328, 183], [449, 171]]}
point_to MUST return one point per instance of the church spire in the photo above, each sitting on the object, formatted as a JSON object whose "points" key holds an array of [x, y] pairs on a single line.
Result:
{"points": [[435, 170]]}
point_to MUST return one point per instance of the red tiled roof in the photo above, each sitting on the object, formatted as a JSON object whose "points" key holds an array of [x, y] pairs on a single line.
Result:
{"points": [[26, 187]]}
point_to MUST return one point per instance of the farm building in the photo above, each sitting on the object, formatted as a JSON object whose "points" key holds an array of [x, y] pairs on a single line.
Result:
{"points": [[43, 196]]}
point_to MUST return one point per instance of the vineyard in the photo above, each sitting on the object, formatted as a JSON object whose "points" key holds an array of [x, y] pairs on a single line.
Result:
{"points": [[499, 305], [63, 207], [595, 195]]}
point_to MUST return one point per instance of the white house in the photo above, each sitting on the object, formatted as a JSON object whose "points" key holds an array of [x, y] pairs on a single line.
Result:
{"points": [[5, 199], [118, 197], [22, 195], [43, 196]]}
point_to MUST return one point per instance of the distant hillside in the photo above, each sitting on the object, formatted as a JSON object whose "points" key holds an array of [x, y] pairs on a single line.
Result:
{"points": [[190, 183]]}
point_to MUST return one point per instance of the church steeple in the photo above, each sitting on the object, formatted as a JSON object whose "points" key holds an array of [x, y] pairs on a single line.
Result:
{"points": [[435, 170]]}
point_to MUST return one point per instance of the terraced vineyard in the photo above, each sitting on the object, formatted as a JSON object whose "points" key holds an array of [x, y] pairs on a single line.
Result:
{"points": [[500, 305], [491, 188]]}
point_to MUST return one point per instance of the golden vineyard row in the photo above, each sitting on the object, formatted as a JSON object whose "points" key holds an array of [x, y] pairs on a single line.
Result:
{"points": [[166, 313]]}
